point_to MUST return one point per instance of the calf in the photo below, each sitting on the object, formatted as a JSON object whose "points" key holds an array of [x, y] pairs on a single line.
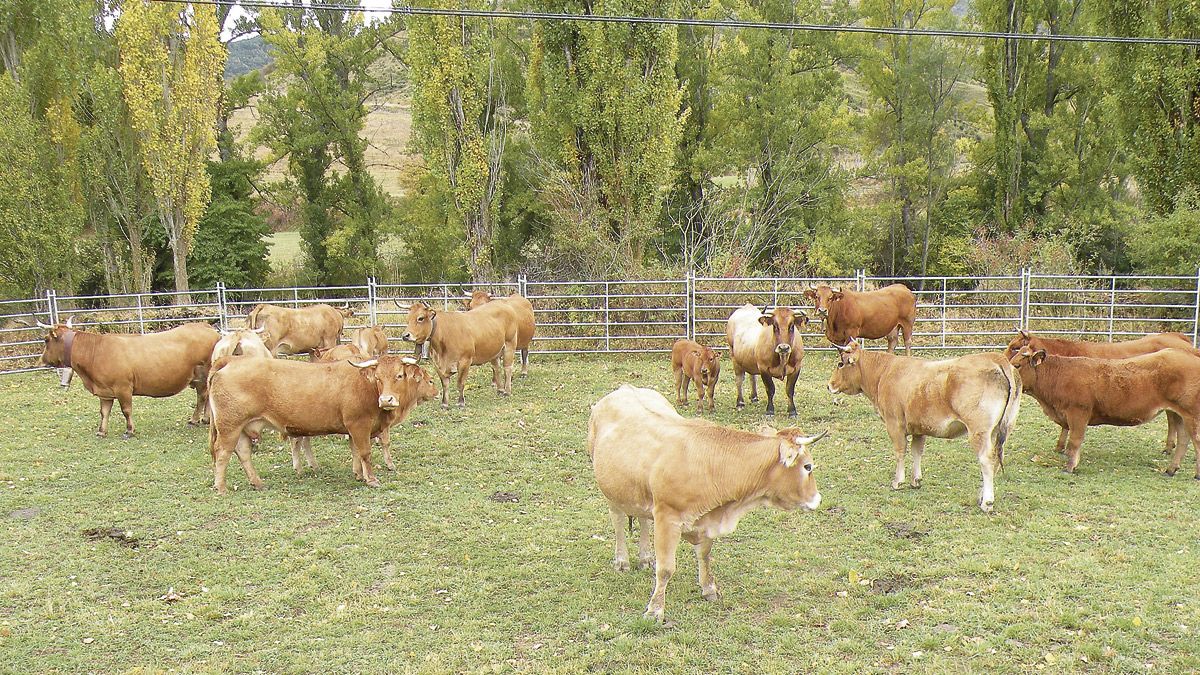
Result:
{"points": [[310, 399], [871, 314], [693, 362], [693, 478], [1077, 392], [978, 395], [769, 345]]}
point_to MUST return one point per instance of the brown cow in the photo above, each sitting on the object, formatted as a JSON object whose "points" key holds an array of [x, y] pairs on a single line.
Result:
{"points": [[693, 362], [769, 345], [310, 399], [464, 339], [1076, 392], [977, 394], [370, 340], [526, 325], [119, 367], [297, 331], [348, 352], [852, 315], [695, 479]]}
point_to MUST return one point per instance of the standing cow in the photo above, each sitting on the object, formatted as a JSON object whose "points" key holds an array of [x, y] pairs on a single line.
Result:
{"points": [[526, 324], [1077, 392], [119, 367], [310, 399], [299, 331], [852, 315], [370, 340], [693, 362], [693, 478], [459, 340], [767, 344], [977, 395]]}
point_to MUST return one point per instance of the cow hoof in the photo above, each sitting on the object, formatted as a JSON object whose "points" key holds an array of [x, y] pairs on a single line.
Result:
{"points": [[739, 406], [621, 565], [101, 434], [916, 484], [792, 414], [374, 483], [754, 399], [655, 615], [1170, 473], [986, 506], [710, 595], [1198, 476], [391, 466], [896, 485], [127, 435], [445, 406], [259, 486], [646, 563]]}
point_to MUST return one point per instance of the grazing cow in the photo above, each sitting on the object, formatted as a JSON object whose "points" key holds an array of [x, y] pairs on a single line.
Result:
{"points": [[693, 362], [769, 345], [370, 340], [119, 367], [1078, 391], [526, 325], [310, 399], [460, 340], [695, 479], [977, 394], [852, 315], [297, 331]]}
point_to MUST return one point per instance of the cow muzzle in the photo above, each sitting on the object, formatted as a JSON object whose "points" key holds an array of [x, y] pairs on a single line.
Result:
{"points": [[814, 503], [407, 337], [783, 348], [388, 402]]}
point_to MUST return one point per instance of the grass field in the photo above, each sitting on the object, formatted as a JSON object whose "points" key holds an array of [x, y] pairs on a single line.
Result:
{"points": [[1090, 572]]}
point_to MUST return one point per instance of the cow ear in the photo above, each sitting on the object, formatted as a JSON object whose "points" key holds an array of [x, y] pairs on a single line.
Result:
{"points": [[810, 294], [765, 429], [1037, 358], [765, 320], [789, 451], [803, 318], [1024, 335], [835, 295]]}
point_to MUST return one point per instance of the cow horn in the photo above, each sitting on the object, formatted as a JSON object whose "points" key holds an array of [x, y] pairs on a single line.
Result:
{"points": [[364, 364], [44, 325], [836, 289], [409, 360], [397, 303], [260, 329], [809, 440], [70, 320], [841, 348]]}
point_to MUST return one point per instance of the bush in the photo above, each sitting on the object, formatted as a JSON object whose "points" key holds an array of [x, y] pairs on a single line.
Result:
{"points": [[1169, 244], [230, 244]]}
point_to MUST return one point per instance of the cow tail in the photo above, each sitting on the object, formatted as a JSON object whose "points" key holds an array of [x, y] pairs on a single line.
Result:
{"points": [[1008, 417]]}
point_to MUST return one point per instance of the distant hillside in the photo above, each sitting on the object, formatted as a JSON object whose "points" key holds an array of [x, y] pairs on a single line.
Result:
{"points": [[246, 55]]}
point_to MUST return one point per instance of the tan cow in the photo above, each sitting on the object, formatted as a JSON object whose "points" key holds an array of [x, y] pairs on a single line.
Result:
{"points": [[347, 352], [344, 352], [240, 342], [370, 340], [1076, 392], [118, 367], [298, 331], [459, 340], [693, 362], [767, 344], [310, 399], [978, 395], [526, 325], [693, 478], [852, 315]]}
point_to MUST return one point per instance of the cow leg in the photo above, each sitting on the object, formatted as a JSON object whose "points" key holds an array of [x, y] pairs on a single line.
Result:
{"points": [[385, 442], [1061, 446], [464, 367], [1173, 422], [645, 551], [791, 392], [907, 329], [105, 410], [200, 384], [445, 379], [621, 553], [1077, 427], [666, 540], [510, 352], [496, 373], [243, 452], [524, 361], [687, 383], [294, 446], [917, 448], [740, 375], [1183, 429], [126, 401], [679, 400], [987, 466], [769, 385], [222, 449], [708, 584], [893, 339], [753, 390], [360, 444], [712, 391], [899, 445]]}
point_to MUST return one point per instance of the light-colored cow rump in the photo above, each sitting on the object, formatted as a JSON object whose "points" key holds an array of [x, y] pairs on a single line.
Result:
{"points": [[526, 326], [769, 345], [370, 340]]}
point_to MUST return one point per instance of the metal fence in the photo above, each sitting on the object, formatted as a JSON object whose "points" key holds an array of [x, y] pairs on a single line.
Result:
{"points": [[585, 317]]}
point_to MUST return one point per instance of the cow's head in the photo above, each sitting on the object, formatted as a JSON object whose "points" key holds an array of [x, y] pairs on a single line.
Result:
{"points": [[822, 297], [710, 365], [793, 484], [419, 324], [783, 323], [398, 381], [56, 351], [1027, 359], [1023, 339], [847, 374], [478, 299]]}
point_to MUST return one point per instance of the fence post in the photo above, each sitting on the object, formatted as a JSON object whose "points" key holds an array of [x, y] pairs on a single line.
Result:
{"points": [[141, 318], [52, 306], [1026, 287], [944, 312], [860, 280], [607, 331], [687, 306], [371, 293], [1196, 320], [522, 286], [1112, 307], [446, 297], [222, 310], [775, 293], [295, 298]]}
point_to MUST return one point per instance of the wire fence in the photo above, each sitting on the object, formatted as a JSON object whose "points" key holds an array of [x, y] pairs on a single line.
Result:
{"points": [[646, 316]]}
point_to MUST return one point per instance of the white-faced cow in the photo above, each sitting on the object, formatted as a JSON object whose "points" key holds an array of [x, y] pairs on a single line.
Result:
{"points": [[298, 331], [459, 340], [1076, 392], [119, 367], [977, 395], [882, 313], [767, 344], [310, 399], [526, 324], [693, 362], [691, 477]]}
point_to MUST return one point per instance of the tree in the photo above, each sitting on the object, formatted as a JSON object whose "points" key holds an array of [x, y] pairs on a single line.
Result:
{"points": [[230, 244], [171, 64]]}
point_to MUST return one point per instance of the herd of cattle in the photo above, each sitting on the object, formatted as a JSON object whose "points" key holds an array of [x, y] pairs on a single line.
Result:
{"points": [[691, 477]]}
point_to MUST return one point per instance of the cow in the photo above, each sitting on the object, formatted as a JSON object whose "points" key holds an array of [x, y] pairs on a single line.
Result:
{"points": [[347, 352], [767, 344], [871, 314], [370, 340], [459, 340], [119, 367], [693, 362], [693, 478], [1077, 392], [300, 399], [298, 331], [978, 395], [526, 325], [240, 342], [1109, 350]]}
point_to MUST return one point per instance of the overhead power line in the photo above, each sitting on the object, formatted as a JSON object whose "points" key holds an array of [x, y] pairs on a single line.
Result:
{"points": [[710, 23]]}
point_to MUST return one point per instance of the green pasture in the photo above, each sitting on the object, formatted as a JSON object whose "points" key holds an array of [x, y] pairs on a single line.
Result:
{"points": [[438, 572]]}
